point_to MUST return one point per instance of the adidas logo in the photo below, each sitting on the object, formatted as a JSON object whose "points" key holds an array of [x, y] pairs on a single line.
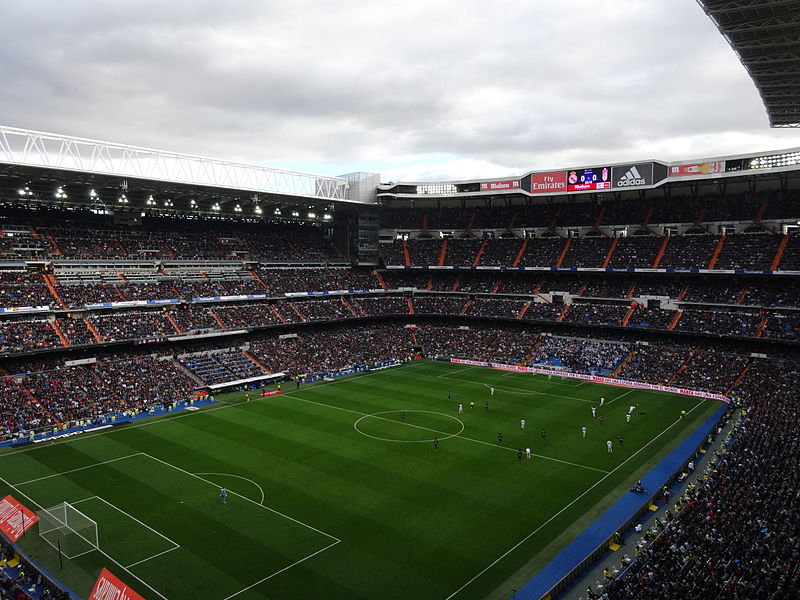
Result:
{"points": [[632, 177]]}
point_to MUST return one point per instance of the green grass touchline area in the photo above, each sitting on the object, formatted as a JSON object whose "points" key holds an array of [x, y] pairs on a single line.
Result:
{"points": [[338, 491]]}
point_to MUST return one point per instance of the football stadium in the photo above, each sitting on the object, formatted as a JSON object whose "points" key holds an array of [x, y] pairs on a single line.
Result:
{"points": [[224, 380]]}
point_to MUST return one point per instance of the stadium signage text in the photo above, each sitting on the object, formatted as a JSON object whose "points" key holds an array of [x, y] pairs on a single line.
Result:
{"points": [[548, 183], [487, 186], [109, 587], [627, 176], [595, 379], [15, 519]]}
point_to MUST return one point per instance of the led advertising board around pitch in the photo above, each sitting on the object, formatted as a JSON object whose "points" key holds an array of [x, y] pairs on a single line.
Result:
{"points": [[596, 178]]}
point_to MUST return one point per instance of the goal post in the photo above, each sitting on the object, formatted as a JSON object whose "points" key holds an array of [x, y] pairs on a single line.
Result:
{"points": [[68, 530], [558, 370]]}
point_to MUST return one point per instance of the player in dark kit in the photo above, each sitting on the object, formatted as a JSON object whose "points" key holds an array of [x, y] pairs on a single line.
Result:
{"points": [[499, 438], [544, 434], [403, 415], [435, 443], [519, 454]]}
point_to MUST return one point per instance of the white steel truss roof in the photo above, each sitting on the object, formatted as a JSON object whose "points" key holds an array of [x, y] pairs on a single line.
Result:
{"points": [[37, 149]]}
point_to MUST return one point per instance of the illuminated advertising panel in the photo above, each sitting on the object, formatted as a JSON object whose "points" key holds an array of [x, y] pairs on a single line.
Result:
{"points": [[490, 186], [629, 176], [706, 168], [548, 183], [597, 178]]}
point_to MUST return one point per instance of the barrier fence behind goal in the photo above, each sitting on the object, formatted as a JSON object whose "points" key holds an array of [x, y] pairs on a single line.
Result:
{"points": [[68, 530]]}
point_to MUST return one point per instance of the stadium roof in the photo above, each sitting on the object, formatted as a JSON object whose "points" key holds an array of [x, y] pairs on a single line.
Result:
{"points": [[36, 149], [766, 36]]}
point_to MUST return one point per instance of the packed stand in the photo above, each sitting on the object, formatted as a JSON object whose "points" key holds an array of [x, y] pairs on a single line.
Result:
{"points": [[587, 252], [735, 534], [580, 355], [19, 336], [655, 363], [711, 370], [132, 326], [689, 251], [751, 251], [24, 289]]}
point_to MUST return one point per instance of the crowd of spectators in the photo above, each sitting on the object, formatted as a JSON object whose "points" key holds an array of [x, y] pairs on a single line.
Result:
{"points": [[592, 357], [688, 252], [655, 362], [439, 305], [711, 370], [76, 331], [635, 251], [634, 211], [596, 314], [495, 308], [29, 334], [331, 350], [217, 367], [736, 533], [782, 327], [737, 324], [752, 251], [23, 289], [587, 252], [132, 325], [493, 344]]}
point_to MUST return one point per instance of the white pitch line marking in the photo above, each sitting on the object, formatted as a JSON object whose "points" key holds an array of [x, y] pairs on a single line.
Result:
{"points": [[461, 437], [104, 462], [535, 531], [260, 489]]}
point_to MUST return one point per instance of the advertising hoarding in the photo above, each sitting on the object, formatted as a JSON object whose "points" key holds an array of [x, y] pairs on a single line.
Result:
{"points": [[549, 183], [109, 587], [706, 168], [15, 519], [491, 186], [635, 175]]}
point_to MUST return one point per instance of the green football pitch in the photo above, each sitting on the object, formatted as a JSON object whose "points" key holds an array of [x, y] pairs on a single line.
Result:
{"points": [[336, 490]]}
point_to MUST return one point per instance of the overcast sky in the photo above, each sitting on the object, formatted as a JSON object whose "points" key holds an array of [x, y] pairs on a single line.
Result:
{"points": [[413, 89]]}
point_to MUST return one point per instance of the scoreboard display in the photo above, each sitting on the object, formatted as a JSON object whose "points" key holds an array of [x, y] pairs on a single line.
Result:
{"points": [[597, 178]]}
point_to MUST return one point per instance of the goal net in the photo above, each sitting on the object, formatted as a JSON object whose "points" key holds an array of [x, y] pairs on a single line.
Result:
{"points": [[66, 528], [557, 370]]}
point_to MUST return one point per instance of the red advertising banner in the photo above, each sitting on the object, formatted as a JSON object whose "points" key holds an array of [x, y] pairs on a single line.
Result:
{"points": [[548, 183], [15, 519], [109, 587], [706, 168], [490, 186], [270, 393]]}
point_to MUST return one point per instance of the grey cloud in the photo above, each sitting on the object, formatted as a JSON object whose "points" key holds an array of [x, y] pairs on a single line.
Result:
{"points": [[507, 85]]}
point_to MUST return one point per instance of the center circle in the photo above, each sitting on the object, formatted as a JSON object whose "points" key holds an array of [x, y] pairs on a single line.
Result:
{"points": [[360, 425]]}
